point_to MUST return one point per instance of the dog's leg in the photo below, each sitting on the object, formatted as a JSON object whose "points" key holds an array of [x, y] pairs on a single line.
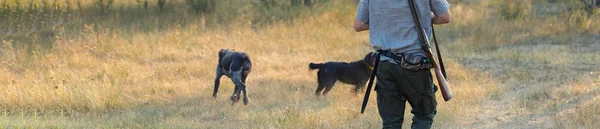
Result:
{"points": [[237, 69], [244, 77], [321, 86], [326, 80], [246, 101], [357, 88], [233, 95], [360, 86], [319, 89], [328, 88], [217, 81], [240, 86], [328, 84]]}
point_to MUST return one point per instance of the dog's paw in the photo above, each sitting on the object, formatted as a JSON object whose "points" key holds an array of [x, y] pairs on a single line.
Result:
{"points": [[214, 95], [234, 98], [245, 101]]}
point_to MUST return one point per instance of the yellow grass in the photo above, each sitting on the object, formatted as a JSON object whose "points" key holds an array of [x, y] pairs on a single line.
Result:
{"points": [[165, 78], [147, 70], [582, 115]]}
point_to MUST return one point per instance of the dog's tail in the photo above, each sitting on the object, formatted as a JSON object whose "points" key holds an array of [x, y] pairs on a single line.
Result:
{"points": [[246, 63], [313, 66]]}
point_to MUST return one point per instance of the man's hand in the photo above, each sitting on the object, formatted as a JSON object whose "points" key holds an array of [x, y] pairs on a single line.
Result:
{"points": [[438, 19], [360, 26]]}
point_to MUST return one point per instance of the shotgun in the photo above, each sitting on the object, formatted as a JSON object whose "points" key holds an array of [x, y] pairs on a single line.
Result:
{"points": [[446, 92]]}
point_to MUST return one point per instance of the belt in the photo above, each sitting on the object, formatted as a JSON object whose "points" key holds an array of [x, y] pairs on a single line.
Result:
{"points": [[395, 56]]}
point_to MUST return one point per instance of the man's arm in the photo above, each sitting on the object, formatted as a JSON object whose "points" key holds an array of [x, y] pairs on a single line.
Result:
{"points": [[361, 22], [441, 12], [360, 26], [439, 19]]}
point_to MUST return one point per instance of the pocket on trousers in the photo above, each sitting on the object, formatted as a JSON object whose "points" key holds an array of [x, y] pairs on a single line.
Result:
{"points": [[429, 103], [414, 62]]}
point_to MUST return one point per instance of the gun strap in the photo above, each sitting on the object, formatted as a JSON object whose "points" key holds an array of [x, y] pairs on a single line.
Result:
{"points": [[437, 49], [423, 36], [370, 85]]}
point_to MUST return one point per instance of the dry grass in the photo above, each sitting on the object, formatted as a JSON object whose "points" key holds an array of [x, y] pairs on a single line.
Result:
{"points": [[578, 112], [112, 77], [138, 69], [543, 62]]}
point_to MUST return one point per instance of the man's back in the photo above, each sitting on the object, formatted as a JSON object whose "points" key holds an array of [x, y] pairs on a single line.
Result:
{"points": [[391, 23]]}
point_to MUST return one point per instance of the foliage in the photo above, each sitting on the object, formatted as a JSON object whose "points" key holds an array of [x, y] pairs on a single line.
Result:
{"points": [[127, 68], [103, 5], [515, 9], [203, 6], [162, 4]]}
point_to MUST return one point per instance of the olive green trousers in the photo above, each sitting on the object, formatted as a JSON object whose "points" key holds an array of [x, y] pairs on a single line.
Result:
{"points": [[395, 86]]}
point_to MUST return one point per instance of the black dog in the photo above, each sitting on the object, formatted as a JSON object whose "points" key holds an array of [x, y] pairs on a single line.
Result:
{"points": [[237, 66], [356, 73]]}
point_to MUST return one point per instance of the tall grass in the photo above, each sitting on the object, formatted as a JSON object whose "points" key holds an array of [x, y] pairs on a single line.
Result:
{"points": [[582, 115], [129, 62], [543, 60], [132, 66]]}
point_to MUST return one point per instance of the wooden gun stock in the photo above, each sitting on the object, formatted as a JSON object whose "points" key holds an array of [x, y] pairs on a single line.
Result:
{"points": [[446, 92]]}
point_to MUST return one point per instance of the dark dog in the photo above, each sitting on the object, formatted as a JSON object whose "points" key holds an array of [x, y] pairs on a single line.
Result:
{"points": [[237, 66], [356, 73]]}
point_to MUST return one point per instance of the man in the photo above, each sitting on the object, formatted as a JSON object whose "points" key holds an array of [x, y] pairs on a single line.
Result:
{"points": [[391, 28]]}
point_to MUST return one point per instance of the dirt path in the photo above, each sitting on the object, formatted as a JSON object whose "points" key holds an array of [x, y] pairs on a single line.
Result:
{"points": [[532, 91]]}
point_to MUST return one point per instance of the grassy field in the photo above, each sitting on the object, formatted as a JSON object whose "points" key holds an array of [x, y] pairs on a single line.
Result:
{"points": [[76, 65]]}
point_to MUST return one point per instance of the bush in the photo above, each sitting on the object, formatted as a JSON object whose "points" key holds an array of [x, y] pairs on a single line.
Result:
{"points": [[203, 6], [161, 4], [104, 5], [590, 5], [268, 11], [515, 9]]}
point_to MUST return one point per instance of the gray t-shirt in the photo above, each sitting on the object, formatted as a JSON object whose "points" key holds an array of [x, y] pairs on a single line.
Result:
{"points": [[391, 25]]}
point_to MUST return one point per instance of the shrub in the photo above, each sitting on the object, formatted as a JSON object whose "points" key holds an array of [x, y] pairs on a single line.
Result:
{"points": [[590, 5], [104, 5], [203, 6], [161, 4], [515, 9]]}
